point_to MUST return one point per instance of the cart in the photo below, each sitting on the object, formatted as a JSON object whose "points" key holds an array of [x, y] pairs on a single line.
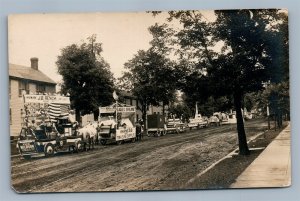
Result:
{"points": [[198, 122], [43, 133], [117, 123], [156, 125], [38, 141], [175, 126]]}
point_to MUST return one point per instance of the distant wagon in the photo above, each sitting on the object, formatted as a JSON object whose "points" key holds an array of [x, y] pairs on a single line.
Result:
{"points": [[156, 125]]}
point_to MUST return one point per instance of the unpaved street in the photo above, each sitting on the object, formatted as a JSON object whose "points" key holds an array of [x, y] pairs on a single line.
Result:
{"points": [[155, 163]]}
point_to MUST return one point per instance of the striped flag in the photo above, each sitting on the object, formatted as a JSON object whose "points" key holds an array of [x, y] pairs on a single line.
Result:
{"points": [[55, 110]]}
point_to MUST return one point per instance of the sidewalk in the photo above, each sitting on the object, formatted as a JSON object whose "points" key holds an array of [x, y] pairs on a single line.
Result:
{"points": [[272, 168]]}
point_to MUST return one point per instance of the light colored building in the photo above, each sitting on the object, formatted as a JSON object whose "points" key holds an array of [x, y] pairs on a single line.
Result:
{"points": [[25, 80]]}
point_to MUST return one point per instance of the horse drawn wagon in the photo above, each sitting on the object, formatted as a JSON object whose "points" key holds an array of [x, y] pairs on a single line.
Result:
{"points": [[117, 123]]}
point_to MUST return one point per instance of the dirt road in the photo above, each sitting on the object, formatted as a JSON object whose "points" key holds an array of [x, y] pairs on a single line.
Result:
{"points": [[155, 163]]}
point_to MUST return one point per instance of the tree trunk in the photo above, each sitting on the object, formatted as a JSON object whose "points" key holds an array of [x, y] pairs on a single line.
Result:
{"points": [[96, 114], [243, 146], [144, 114], [279, 118], [77, 115]]}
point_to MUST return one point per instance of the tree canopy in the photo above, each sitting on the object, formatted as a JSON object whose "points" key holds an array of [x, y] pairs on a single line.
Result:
{"points": [[235, 54], [149, 74], [86, 76]]}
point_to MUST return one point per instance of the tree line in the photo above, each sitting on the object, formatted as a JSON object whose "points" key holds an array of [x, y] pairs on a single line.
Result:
{"points": [[239, 59]]}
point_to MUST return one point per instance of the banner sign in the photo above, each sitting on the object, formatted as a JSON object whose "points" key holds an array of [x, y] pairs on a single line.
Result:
{"points": [[126, 109], [113, 109], [107, 110], [46, 99], [125, 133]]}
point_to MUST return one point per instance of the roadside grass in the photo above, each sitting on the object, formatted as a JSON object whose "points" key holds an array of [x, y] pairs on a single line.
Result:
{"points": [[223, 174]]}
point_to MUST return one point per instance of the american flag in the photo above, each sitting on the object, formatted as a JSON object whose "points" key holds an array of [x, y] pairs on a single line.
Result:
{"points": [[55, 110]]}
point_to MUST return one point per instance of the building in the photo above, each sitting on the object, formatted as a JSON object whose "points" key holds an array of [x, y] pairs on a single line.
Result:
{"points": [[130, 99], [25, 80]]}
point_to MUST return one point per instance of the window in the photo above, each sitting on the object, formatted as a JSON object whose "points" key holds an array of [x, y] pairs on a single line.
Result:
{"points": [[40, 88], [23, 86]]}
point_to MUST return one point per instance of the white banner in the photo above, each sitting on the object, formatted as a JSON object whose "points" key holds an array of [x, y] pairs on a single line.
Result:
{"points": [[107, 110], [46, 99], [113, 109], [125, 133], [126, 109]]}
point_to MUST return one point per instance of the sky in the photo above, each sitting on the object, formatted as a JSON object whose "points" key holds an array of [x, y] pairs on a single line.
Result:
{"points": [[44, 35]]}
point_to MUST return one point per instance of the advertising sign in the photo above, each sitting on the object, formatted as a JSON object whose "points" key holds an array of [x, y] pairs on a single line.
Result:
{"points": [[125, 133], [125, 109], [107, 110], [27, 146], [46, 99], [113, 109]]}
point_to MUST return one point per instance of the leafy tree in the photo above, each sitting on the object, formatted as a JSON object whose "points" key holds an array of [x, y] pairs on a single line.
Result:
{"points": [[86, 76], [149, 74], [243, 62], [180, 111], [277, 97]]}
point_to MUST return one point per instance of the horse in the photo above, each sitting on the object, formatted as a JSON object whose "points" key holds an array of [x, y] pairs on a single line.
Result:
{"points": [[88, 134]]}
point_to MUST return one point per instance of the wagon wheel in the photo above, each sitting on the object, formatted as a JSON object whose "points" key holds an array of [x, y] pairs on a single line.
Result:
{"points": [[158, 133], [164, 132], [72, 148], [79, 146], [133, 140], [103, 142], [49, 150], [119, 142], [180, 129]]}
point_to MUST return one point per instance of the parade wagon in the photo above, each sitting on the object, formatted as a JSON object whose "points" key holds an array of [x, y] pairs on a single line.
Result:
{"points": [[156, 125], [46, 129], [117, 123], [39, 141], [175, 125], [198, 121]]}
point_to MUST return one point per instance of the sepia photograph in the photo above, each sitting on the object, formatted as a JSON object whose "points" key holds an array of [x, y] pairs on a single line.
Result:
{"points": [[149, 101]]}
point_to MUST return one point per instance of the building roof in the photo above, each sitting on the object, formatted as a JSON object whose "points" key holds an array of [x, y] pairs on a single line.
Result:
{"points": [[23, 72]]}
